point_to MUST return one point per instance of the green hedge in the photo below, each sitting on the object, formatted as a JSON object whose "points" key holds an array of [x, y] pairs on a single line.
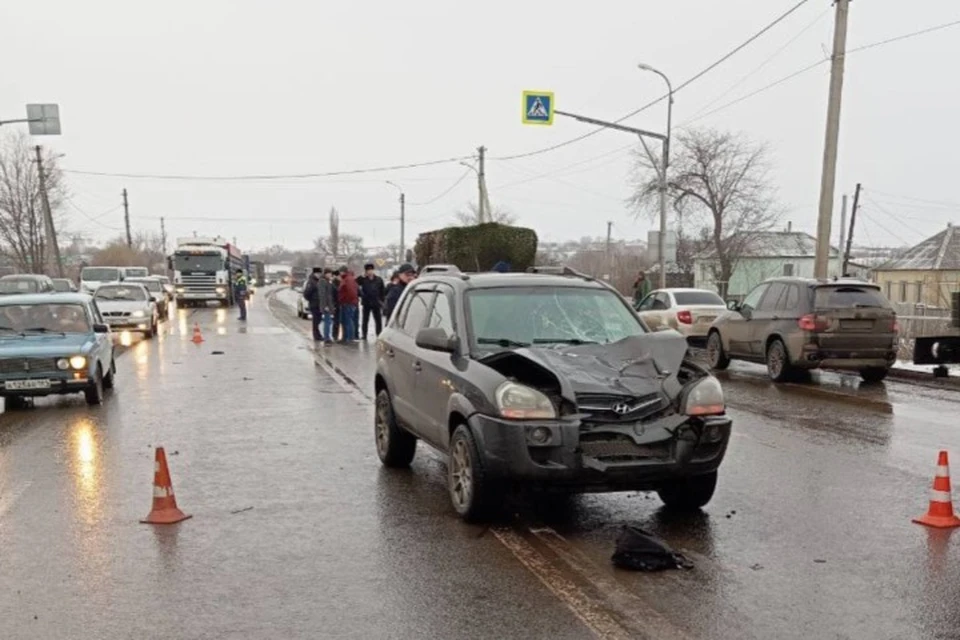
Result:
{"points": [[478, 247]]}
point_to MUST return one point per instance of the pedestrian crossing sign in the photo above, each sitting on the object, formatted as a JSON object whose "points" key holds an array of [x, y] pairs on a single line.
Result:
{"points": [[538, 107]]}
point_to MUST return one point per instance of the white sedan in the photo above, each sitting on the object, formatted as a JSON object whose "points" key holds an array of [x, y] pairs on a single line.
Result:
{"points": [[689, 311]]}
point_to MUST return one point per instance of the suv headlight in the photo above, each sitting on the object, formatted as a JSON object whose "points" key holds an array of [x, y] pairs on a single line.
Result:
{"points": [[63, 364], [704, 398], [139, 314], [519, 402], [77, 362]]}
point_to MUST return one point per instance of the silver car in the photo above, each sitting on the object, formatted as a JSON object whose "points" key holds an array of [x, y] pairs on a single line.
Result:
{"points": [[128, 306]]}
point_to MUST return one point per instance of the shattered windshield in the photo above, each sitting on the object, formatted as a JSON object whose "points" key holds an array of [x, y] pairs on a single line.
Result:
{"points": [[521, 316]]}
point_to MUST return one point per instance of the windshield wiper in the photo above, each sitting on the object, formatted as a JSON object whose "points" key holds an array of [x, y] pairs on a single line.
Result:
{"points": [[563, 341], [42, 330], [503, 342]]}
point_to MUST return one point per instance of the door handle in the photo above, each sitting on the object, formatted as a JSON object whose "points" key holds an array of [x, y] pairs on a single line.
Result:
{"points": [[417, 367], [390, 353]]}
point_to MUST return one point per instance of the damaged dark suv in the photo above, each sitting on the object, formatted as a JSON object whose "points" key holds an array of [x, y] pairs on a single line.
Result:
{"points": [[546, 378]]}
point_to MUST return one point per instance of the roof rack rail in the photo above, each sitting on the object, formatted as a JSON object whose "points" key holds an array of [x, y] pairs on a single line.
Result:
{"points": [[440, 268], [560, 271]]}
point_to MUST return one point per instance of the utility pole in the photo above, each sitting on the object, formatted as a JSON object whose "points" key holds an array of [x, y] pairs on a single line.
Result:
{"points": [[47, 214], [829, 175], [843, 229], [481, 185], [163, 235], [609, 262], [853, 222], [403, 226], [126, 218]]}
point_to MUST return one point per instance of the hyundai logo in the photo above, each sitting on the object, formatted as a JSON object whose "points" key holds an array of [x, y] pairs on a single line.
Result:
{"points": [[622, 408]]}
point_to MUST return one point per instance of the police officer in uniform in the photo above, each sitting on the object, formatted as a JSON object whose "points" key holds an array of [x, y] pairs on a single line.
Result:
{"points": [[240, 293]]}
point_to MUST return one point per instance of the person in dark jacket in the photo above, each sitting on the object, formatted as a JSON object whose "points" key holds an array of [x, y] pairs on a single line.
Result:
{"points": [[311, 293], [326, 296], [405, 274], [240, 292], [349, 296], [335, 283], [372, 294]]}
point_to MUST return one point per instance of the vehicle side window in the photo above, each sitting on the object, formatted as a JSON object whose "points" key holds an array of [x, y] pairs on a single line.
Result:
{"points": [[772, 297], [753, 298], [790, 301], [442, 313], [416, 312], [647, 303], [662, 301], [95, 313]]}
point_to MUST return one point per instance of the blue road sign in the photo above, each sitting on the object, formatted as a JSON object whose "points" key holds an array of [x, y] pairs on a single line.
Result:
{"points": [[538, 107]]}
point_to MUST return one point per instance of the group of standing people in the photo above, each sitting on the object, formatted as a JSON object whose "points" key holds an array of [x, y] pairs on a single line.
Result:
{"points": [[336, 297]]}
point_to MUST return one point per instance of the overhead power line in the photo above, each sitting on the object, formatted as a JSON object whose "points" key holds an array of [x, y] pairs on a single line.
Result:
{"points": [[681, 86], [251, 178], [444, 192]]}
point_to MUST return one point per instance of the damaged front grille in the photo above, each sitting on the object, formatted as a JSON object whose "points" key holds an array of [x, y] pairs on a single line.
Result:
{"points": [[612, 408], [617, 448]]}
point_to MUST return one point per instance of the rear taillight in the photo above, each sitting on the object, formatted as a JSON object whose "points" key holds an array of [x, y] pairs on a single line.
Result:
{"points": [[894, 325], [684, 317], [813, 322]]}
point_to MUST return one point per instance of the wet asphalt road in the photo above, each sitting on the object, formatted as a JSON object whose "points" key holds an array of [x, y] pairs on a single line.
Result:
{"points": [[809, 534]]}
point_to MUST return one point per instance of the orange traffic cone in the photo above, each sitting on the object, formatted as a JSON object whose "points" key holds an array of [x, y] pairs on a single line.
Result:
{"points": [[164, 509], [197, 336], [940, 514]]}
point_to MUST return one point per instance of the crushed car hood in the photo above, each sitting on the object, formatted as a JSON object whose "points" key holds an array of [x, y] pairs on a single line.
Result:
{"points": [[634, 366]]}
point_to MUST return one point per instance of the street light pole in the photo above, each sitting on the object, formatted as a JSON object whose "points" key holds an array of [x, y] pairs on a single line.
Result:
{"points": [[403, 221], [665, 165]]}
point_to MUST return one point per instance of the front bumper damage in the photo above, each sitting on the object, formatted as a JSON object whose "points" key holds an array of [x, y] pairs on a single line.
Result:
{"points": [[640, 456]]}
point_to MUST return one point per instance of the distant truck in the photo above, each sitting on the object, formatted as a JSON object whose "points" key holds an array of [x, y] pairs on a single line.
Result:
{"points": [[203, 271], [298, 277], [258, 273]]}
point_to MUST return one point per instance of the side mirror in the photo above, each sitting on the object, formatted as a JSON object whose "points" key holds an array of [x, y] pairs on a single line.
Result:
{"points": [[101, 328], [437, 339], [733, 305]]}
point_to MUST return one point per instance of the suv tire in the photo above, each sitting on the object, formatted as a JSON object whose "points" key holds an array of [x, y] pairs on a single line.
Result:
{"points": [[874, 374], [395, 446], [94, 392], [778, 362], [472, 491], [716, 356], [689, 494], [14, 403]]}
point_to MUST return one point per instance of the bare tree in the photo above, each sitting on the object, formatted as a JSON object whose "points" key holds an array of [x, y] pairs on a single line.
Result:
{"points": [[471, 215], [22, 232], [719, 182]]}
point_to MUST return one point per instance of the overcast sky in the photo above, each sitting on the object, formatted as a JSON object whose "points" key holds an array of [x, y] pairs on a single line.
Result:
{"points": [[239, 87]]}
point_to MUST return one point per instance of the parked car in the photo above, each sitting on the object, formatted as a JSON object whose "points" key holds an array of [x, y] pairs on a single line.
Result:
{"points": [[92, 277], [167, 287], [548, 380], [157, 293], [128, 306], [793, 324], [689, 311], [25, 283], [54, 344], [64, 285]]}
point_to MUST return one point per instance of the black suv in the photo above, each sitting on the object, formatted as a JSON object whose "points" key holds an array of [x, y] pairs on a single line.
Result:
{"points": [[545, 378]]}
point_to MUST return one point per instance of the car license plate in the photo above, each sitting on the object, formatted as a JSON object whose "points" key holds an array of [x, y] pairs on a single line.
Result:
{"points": [[706, 319], [26, 385], [856, 325]]}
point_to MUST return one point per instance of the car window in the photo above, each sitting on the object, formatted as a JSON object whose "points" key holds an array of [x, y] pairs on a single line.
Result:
{"points": [[772, 297], [442, 313], [790, 301], [698, 298], [513, 316], [753, 298], [15, 285], [415, 313], [121, 292], [647, 302], [100, 274], [95, 313], [848, 297], [661, 301]]}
